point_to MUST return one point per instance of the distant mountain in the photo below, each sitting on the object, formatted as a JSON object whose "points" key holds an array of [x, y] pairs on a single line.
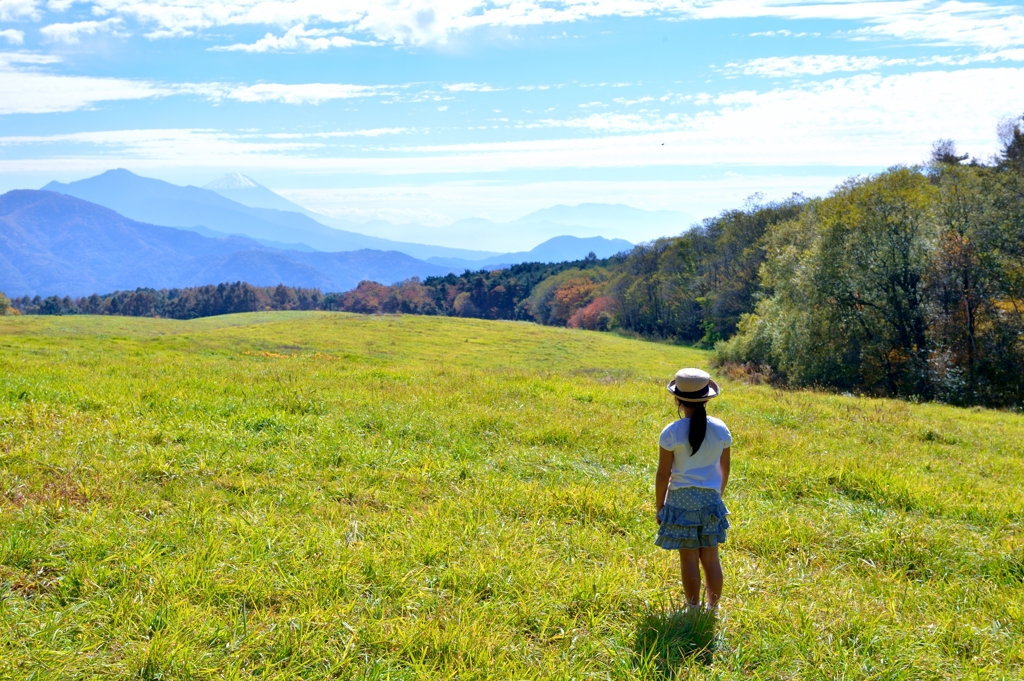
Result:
{"points": [[162, 203], [214, 234], [249, 192], [557, 249], [54, 244], [585, 218], [608, 216], [562, 248]]}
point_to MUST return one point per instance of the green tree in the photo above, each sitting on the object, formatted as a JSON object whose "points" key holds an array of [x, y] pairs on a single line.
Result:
{"points": [[696, 286], [848, 305], [1011, 135]]}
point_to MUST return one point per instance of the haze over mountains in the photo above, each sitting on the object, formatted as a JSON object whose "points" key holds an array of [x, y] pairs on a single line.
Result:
{"points": [[584, 220], [238, 205], [119, 230]]}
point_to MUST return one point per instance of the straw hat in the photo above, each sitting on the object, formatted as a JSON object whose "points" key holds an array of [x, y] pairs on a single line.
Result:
{"points": [[693, 385]]}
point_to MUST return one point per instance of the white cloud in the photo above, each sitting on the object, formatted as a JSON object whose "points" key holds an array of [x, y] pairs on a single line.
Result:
{"points": [[27, 91], [177, 32], [297, 38], [949, 22], [631, 102], [12, 36], [369, 132], [784, 33], [422, 22], [12, 10], [863, 120], [303, 93], [71, 33], [815, 64], [472, 87], [615, 123], [954, 23], [7, 58], [820, 64], [176, 145], [24, 89]]}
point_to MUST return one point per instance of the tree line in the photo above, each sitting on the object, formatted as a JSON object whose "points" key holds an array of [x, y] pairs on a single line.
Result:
{"points": [[519, 292], [177, 303]]}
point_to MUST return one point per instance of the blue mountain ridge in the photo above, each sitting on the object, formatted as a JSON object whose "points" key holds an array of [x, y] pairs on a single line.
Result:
{"points": [[54, 244]]}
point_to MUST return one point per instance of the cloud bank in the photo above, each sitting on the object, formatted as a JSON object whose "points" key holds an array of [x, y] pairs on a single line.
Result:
{"points": [[863, 120], [426, 22]]}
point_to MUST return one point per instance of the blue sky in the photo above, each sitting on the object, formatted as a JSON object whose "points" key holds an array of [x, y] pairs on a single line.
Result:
{"points": [[427, 112]]}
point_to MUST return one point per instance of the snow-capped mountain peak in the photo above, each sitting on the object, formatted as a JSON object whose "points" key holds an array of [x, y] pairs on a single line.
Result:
{"points": [[232, 181]]}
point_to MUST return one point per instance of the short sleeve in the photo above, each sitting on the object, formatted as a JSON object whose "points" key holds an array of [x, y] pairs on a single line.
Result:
{"points": [[668, 438], [726, 437]]}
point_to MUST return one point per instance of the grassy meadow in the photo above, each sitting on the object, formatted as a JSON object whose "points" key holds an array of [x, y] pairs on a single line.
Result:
{"points": [[316, 495]]}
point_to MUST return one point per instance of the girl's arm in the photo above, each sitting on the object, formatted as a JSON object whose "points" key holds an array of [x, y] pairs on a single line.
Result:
{"points": [[724, 463], [665, 459]]}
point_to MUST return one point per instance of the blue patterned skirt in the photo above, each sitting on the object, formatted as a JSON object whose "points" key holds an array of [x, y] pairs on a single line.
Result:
{"points": [[692, 517]]}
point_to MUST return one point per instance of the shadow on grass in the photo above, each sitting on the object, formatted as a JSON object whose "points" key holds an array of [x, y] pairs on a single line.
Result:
{"points": [[669, 636]]}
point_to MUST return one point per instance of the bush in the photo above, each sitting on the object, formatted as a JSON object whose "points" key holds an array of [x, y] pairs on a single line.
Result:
{"points": [[599, 315]]}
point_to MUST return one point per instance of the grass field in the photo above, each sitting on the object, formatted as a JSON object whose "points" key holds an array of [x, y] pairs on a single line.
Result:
{"points": [[313, 496]]}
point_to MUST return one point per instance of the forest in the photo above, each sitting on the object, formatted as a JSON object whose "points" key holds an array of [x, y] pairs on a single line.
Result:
{"points": [[907, 283], [184, 303]]}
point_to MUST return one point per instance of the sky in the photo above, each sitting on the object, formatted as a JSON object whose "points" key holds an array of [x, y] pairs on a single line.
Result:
{"points": [[429, 112]]}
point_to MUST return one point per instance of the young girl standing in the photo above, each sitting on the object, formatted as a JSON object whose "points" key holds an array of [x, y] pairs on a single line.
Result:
{"points": [[693, 469]]}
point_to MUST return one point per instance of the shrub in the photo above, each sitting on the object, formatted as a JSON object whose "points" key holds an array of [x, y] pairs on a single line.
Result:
{"points": [[599, 315]]}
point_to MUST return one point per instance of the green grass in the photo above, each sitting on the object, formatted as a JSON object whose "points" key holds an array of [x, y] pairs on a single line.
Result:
{"points": [[293, 495]]}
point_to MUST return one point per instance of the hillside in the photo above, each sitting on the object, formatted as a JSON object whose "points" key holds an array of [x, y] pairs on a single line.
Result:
{"points": [[52, 244], [316, 495]]}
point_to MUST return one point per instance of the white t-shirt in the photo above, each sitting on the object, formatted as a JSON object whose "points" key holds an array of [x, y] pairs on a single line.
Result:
{"points": [[701, 469]]}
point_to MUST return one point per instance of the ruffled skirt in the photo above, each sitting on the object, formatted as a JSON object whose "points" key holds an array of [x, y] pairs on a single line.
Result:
{"points": [[692, 517]]}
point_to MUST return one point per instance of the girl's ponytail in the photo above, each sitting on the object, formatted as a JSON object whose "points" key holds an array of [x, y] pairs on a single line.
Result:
{"points": [[698, 427]]}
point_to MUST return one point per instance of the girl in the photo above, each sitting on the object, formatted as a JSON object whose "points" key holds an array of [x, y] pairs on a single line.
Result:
{"points": [[693, 470]]}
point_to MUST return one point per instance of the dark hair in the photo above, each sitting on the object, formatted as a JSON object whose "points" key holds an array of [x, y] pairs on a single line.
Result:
{"points": [[698, 425]]}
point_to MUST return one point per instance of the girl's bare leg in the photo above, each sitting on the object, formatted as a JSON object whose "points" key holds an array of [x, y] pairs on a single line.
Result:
{"points": [[689, 561], [712, 573]]}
